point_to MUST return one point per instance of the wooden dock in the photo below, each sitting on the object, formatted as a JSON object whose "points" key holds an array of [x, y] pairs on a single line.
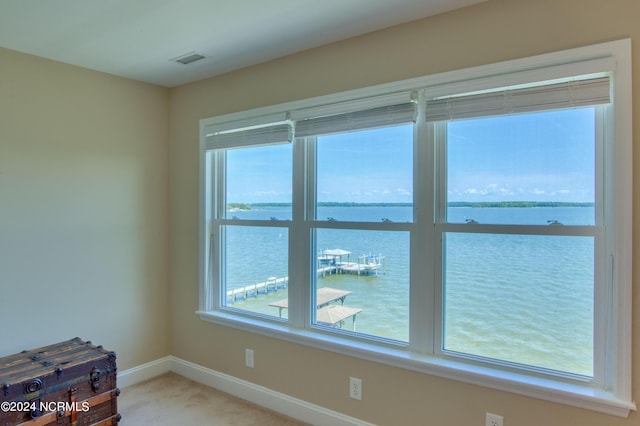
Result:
{"points": [[329, 262], [272, 284], [335, 315], [326, 313], [324, 296]]}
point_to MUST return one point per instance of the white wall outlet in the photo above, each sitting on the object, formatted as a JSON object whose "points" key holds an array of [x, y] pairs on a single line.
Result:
{"points": [[355, 388], [248, 358], [493, 420]]}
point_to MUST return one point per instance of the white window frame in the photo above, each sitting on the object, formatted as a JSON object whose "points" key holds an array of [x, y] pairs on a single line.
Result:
{"points": [[611, 392]]}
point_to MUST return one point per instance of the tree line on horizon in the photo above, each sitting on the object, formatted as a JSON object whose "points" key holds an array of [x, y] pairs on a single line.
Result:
{"points": [[475, 204]]}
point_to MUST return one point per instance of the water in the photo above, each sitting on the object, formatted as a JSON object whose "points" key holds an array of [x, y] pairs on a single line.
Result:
{"points": [[517, 298], [526, 299]]}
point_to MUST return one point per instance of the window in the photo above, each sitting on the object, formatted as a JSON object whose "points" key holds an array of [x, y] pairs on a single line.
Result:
{"points": [[364, 198], [254, 238], [469, 225], [518, 277]]}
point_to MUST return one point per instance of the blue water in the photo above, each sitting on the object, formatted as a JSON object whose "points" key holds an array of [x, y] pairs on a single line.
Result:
{"points": [[517, 298]]}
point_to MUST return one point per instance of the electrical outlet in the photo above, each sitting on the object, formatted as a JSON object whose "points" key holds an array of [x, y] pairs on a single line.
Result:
{"points": [[493, 420], [355, 388], [248, 358]]}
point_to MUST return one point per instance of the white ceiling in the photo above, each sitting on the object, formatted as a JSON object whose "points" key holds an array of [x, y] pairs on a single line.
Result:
{"points": [[138, 38]]}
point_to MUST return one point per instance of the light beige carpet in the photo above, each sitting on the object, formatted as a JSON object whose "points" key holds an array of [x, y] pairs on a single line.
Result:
{"points": [[174, 400]]}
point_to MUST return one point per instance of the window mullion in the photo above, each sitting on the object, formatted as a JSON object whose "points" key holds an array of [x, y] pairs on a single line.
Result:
{"points": [[216, 234], [299, 241], [423, 286], [437, 133]]}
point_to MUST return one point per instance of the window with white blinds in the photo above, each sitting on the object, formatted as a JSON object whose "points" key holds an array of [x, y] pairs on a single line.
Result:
{"points": [[474, 222]]}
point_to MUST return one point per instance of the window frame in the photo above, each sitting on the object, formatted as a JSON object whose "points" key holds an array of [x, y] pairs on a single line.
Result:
{"points": [[609, 392]]}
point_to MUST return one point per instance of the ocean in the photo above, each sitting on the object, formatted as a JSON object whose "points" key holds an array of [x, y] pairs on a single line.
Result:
{"points": [[515, 298]]}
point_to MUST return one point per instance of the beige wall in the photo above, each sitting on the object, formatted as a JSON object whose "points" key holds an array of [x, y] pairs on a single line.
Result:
{"points": [[99, 206], [490, 32], [83, 209]]}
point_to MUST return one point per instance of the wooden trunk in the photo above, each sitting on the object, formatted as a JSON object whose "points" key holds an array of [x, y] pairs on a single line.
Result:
{"points": [[69, 383]]}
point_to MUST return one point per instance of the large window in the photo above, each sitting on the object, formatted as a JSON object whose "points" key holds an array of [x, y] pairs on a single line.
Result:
{"points": [[470, 225]]}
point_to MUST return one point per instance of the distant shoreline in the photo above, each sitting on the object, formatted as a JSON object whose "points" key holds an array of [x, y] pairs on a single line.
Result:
{"points": [[518, 204], [476, 204]]}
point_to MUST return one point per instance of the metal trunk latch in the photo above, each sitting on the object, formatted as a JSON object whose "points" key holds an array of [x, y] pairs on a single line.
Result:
{"points": [[35, 408], [94, 378], [33, 386]]}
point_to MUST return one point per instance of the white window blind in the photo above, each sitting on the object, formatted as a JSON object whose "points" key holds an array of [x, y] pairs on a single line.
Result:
{"points": [[266, 135], [357, 120], [569, 94]]}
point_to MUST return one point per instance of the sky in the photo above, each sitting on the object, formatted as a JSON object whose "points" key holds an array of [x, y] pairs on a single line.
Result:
{"points": [[528, 157]]}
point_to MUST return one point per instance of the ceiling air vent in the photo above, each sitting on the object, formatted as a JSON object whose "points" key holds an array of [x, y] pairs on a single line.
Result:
{"points": [[189, 58]]}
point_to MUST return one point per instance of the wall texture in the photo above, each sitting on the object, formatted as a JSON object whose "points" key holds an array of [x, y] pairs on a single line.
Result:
{"points": [[83, 209], [490, 32]]}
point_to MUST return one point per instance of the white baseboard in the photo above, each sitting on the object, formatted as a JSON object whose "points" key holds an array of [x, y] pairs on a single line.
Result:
{"points": [[144, 372], [265, 397]]}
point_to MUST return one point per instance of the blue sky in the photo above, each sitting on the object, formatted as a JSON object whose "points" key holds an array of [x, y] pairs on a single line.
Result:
{"points": [[259, 175], [366, 166], [530, 157]]}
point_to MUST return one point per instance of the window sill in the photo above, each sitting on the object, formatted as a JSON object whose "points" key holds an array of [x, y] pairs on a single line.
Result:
{"points": [[558, 391]]}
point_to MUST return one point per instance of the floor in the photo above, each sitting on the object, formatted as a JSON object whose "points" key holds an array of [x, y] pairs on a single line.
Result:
{"points": [[174, 400]]}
